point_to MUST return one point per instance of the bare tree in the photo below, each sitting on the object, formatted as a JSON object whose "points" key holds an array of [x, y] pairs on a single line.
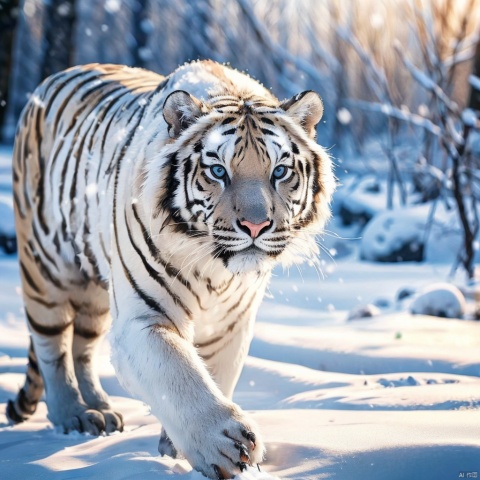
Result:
{"points": [[379, 85], [443, 34], [440, 32], [141, 30], [8, 23], [59, 48], [454, 125], [474, 100]]}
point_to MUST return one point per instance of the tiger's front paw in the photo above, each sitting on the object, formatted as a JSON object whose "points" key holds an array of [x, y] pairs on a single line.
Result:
{"points": [[221, 445]]}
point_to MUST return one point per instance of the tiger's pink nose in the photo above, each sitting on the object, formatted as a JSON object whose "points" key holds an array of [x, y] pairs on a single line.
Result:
{"points": [[255, 228]]}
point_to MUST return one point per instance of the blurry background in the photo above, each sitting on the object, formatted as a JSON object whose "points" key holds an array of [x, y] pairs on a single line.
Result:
{"points": [[399, 80], [348, 50]]}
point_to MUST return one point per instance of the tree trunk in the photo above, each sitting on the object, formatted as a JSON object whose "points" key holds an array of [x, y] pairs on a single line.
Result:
{"points": [[8, 23], [474, 102], [141, 30], [59, 27], [470, 229]]}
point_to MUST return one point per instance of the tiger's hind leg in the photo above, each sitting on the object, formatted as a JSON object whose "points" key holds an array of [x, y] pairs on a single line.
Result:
{"points": [[92, 320], [30, 394], [52, 335], [50, 318], [61, 355]]}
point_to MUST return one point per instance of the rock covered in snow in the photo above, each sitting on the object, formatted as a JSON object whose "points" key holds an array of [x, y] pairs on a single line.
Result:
{"points": [[363, 311], [439, 300], [405, 292], [7, 226]]}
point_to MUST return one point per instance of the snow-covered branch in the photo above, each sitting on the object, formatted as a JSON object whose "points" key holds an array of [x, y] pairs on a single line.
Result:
{"points": [[464, 53], [427, 82], [263, 36], [474, 82], [375, 76], [399, 114], [323, 54]]}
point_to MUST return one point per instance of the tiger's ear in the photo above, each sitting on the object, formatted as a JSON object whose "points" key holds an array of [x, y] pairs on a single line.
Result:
{"points": [[306, 108], [180, 110]]}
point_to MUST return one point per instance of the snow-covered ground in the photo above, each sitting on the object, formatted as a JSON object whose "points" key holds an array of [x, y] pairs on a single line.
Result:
{"points": [[392, 397]]}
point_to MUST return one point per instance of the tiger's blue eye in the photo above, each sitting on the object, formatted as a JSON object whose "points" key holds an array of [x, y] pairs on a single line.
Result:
{"points": [[218, 171], [279, 172]]}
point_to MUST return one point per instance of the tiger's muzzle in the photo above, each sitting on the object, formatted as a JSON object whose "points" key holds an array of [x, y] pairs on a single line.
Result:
{"points": [[251, 235]]}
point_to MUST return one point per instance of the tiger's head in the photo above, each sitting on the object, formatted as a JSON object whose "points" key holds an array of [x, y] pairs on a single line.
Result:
{"points": [[244, 176]]}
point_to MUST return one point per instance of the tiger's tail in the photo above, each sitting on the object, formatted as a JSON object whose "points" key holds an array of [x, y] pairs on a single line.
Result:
{"points": [[25, 404]]}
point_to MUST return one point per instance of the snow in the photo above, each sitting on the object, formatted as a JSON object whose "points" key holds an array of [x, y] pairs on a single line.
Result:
{"points": [[356, 399], [391, 396]]}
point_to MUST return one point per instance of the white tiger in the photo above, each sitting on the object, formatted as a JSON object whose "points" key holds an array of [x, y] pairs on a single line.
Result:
{"points": [[166, 211]]}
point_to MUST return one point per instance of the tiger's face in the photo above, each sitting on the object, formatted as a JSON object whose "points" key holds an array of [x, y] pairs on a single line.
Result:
{"points": [[247, 177]]}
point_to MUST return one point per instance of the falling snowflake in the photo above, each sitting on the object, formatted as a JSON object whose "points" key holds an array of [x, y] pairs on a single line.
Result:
{"points": [[112, 6], [64, 9], [423, 110], [37, 101], [91, 189], [377, 21], [344, 116]]}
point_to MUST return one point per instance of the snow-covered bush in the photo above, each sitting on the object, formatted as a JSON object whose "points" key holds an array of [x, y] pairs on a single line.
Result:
{"points": [[8, 241], [360, 200], [393, 237], [412, 234], [439, 300]]}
